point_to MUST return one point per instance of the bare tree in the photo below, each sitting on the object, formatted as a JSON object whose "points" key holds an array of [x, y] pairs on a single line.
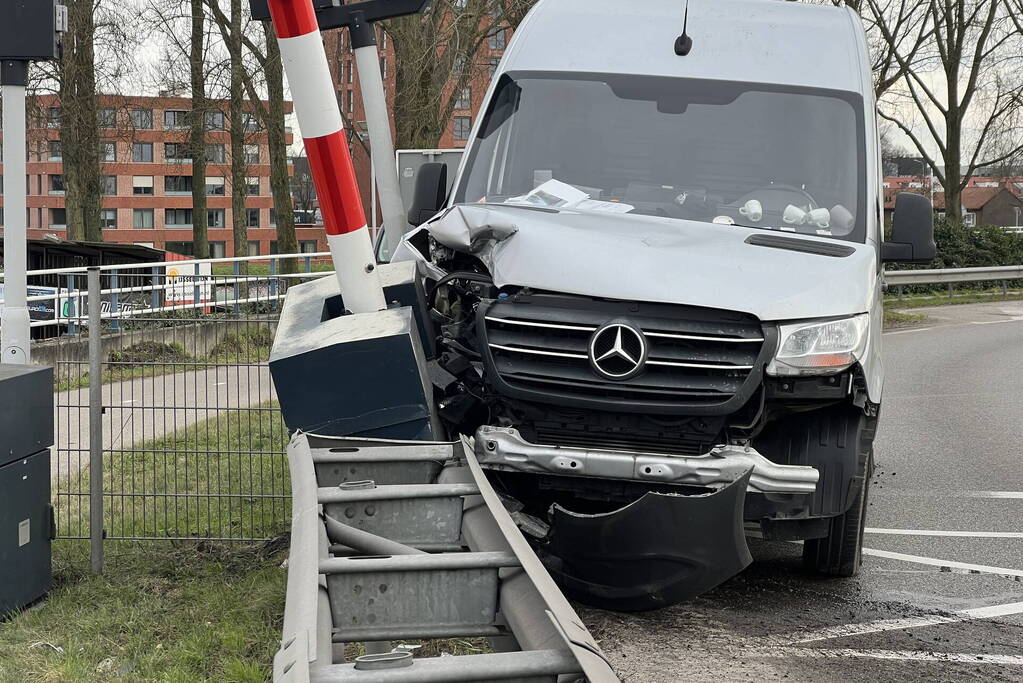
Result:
{"points": [[961, 92], [239, 185], [436, 55], [270, 111], [303, 191], [197, 130]]}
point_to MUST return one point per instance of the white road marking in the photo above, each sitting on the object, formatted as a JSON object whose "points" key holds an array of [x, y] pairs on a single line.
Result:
{"points": [[937, 532], [951, 564], [992, 494], [220, 384], [130, 400], [906, 655], [915, 329], [882, 625]]}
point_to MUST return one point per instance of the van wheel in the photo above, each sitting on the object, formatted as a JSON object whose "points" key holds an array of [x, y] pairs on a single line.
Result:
{"points": [[841, 551]]}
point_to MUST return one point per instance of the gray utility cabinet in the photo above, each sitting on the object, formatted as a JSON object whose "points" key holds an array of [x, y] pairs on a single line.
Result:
{"points": [[26, 517]]}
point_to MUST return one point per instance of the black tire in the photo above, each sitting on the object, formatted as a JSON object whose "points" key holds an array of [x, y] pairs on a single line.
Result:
{"points": [[841, 551]]}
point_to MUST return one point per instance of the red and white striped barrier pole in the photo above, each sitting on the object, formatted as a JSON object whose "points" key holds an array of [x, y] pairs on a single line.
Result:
{"points": [[330, 163]]}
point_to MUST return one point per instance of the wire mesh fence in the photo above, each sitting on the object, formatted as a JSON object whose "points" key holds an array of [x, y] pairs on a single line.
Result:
{"points": [[192, 441]]}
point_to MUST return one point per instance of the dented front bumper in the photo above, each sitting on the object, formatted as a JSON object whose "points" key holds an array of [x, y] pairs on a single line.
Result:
{"points": [[661, 548]]}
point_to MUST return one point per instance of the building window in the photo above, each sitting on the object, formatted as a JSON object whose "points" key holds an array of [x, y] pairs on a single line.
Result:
{"points": [[273, 245], [215, 186], [497, 40], [142, 151], [350, 101], [253, 247], [142, 219], [251, 122], [142, 184], [252, 154], [214, 120], [461, 127], [108, 151], [252, 218], [142, 119], [58, 219], [56, 183], [107, 118], [108, 185], [183, 248], [494, 63], [177, 184], [464, 100], [383, 68], [178, 218], [969, 219], [108, 219], [175, 119], [348, 71], [56, 151], [176, 153], [218, 249], [215, 218], [459, 65], [53, 115], [215, 153], [307, 246], [252, 186]]}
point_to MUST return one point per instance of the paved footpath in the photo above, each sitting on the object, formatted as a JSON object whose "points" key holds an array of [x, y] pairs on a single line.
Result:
{"points": [[146, 408]]}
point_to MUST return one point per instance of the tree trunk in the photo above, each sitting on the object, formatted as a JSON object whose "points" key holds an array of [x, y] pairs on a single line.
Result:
{"points": [[239, 187], [197, 137], [280, 182], [79, 132]]}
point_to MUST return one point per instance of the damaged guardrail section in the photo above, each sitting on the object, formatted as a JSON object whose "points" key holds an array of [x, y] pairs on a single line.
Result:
{"points": [[398, 540]]}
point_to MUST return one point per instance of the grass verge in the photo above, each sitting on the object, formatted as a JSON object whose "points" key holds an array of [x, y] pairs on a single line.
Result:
{"points": [[164, 611], [957, 299]]}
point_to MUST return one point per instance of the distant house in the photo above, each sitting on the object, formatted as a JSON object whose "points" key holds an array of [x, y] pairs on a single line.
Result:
{"points": [[984, 203]]}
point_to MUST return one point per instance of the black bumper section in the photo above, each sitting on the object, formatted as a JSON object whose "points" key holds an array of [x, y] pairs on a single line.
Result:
{"points": [[654, 552]]}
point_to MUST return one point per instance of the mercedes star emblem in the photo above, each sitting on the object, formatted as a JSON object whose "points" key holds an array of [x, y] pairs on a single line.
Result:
{"points": [[618, 351]]}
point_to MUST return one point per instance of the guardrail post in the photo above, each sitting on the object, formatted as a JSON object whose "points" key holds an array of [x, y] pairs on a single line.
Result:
{"points": [[237, 290], [195, 289], [73, 296], [898, 291], [154, 298], [114, 323], [95, 424], [949, 290], [1005, 288], [273, 283], [308, 264]]}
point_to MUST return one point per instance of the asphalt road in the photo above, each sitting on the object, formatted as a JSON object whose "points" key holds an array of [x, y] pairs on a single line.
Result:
{"points": [[142, 409], [940, 594]]}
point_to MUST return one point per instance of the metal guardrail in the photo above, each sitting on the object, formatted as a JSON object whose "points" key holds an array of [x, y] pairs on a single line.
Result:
{"points": [[399, 540], [937, 276]]}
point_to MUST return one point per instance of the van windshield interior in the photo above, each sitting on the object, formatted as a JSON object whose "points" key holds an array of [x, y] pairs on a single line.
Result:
{"points": [[766, 157]]}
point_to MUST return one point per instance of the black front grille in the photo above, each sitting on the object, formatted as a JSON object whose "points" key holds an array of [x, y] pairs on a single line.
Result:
{"points": [[537, 346]]}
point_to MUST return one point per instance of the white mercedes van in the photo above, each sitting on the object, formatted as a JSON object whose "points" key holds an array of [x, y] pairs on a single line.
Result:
{"points": [[656, 288]]}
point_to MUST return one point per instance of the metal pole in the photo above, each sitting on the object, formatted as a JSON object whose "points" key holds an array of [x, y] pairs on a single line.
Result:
{"points": [[378, 123], [14, 319], [95, 424]]}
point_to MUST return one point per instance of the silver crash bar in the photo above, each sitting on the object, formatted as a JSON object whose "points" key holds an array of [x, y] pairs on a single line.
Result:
{"points": [[503, 448]]}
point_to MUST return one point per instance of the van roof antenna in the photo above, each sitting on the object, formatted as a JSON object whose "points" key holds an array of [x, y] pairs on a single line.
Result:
{"points": [[683, 44]]}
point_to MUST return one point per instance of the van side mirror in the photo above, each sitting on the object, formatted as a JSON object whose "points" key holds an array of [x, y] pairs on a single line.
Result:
{"points": [[430, 193], [912, 231]]}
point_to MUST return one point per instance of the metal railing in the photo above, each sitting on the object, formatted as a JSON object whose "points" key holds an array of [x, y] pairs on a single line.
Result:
{"points": [[181, 434], [944, 275]]}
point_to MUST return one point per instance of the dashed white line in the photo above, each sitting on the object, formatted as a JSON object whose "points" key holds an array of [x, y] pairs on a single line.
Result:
{"points": [[992, 494], [905, 655], [950, 534], [950, 564], [882, 625], [915, 329]]}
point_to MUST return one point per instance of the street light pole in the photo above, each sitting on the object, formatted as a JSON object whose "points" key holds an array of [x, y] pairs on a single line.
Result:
{"points": [[14, 319]]}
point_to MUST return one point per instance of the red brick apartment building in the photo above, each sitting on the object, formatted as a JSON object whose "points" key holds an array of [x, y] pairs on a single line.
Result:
{"points": [[346, 82], [147, 177]]}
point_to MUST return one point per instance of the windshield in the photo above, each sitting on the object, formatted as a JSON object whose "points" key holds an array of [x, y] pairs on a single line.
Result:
{"points": [[717, 152]]}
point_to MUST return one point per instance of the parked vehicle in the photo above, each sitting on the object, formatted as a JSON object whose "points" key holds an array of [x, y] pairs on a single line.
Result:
{"points": [[657, 282]]}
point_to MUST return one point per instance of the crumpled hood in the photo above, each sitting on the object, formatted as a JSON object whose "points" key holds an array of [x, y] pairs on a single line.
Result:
{"points": [[646, 258]]}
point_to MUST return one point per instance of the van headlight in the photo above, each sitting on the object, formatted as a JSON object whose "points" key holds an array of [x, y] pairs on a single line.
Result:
{"points": [[819, 348]]}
